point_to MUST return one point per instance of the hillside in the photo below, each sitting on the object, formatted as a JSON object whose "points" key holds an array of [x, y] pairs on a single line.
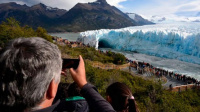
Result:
{"points": [[97, 15], [82, 17], [35, 16]]}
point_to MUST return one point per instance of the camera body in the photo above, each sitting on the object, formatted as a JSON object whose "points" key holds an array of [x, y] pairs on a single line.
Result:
{"points": [[70, 63]]}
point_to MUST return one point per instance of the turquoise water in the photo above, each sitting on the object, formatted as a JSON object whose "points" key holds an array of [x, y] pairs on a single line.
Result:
{"points": [[69, 36]]}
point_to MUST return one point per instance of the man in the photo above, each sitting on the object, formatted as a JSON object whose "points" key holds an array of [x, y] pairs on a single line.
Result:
{"points": [[29, 74], [30, 71]]}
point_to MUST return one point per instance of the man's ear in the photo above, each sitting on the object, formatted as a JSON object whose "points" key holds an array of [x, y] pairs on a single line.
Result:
{"points": [[52, 90], [108, 99]]}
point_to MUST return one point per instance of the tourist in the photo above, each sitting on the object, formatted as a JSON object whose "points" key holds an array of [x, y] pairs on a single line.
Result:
{"points": [[121, 98], [73, 101]]}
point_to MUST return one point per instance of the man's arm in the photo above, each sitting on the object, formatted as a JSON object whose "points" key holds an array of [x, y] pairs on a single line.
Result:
{"points": [[95, 100]]}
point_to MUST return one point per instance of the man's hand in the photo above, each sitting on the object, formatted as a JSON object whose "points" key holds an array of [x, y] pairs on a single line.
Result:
{"points": [[78, 75]]}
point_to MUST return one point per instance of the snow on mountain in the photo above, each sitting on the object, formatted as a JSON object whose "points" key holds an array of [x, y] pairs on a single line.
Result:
{"points": [[139, 19], [51, 8], [131, 15], [175, 41], [172, 18]]}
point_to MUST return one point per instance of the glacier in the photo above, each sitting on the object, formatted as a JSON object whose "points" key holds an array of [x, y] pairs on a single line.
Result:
{"points": [[179, 41]]}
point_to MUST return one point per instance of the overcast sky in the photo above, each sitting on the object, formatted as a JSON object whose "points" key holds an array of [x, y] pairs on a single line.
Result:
{"points": [[142, 7]]}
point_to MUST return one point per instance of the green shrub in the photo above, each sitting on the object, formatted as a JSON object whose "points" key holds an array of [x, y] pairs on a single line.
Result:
{"points": [[11, 29]]}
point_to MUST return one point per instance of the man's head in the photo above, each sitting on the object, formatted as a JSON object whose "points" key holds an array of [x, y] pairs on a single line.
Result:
{"points": [[29, 68]]}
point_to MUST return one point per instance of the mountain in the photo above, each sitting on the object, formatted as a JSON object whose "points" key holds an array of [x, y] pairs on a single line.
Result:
{"points": [[37, 15], [82, 17], [139, 19], [12, 6], [95, 15], [158, 19], [41, 9]]}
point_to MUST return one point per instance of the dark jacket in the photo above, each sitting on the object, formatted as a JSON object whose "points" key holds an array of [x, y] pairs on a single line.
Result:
{"points": [[95, 101], [72, 105], [48, 109]]}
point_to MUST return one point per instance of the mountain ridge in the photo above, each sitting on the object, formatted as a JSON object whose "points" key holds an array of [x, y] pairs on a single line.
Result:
{"points": [[82, 17]]}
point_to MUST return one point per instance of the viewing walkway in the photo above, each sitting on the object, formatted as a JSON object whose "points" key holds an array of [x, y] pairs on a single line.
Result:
{"points": [[176, 85], [109, 65]]}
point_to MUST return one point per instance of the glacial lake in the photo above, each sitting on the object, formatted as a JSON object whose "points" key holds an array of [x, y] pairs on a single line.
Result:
{"points": [[70, 36]]}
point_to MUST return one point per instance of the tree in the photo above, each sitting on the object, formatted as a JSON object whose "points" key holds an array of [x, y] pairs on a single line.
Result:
{"points": [[11, 29], [41, 32]]}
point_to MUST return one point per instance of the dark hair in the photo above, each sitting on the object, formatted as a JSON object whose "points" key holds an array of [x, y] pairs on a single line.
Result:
{"points": [[67, 90], [119, 94], [27, 66], [74, 90], [62, 92]]}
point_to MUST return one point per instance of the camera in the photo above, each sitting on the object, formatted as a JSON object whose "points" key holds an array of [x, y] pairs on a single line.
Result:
{"points": [[70, 63]]}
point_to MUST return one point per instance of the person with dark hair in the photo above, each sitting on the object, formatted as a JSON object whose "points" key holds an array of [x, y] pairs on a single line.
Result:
{"points": [[61, 92], [73, 102], [30, 71], [120, 97]]}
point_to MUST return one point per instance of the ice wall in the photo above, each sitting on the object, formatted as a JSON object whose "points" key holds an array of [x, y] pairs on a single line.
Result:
{"points": [[176, 41]]}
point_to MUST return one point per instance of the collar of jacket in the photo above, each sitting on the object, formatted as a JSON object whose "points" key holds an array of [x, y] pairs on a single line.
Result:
{"points": [[48, 109]]}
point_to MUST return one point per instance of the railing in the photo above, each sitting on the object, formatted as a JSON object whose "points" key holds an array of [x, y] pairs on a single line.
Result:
{"points": [[184, 87], [109, 65]]}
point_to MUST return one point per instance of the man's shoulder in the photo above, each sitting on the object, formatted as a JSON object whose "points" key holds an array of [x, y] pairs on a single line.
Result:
{"points": [[48, 109]]}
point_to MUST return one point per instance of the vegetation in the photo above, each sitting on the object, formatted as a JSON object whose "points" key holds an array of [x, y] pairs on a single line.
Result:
{"points": [[93, 54], [11, 29], [150, 96]]}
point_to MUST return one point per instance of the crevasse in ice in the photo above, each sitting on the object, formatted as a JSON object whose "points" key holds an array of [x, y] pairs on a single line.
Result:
{"points": [[176, 41]]}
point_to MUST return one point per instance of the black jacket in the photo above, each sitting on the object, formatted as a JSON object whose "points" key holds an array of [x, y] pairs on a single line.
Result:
{"points": [[48, 109], [72, 106], [95, 101]]}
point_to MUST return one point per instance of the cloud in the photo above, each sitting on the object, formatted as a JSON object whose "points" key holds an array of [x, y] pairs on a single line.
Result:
{"points": [[62, 4], [116, 3], [144, 7], [167, 7], [190, 6]]}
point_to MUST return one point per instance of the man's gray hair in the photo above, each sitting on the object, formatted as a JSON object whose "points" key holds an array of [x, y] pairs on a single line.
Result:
{"points": [[27, 66]]}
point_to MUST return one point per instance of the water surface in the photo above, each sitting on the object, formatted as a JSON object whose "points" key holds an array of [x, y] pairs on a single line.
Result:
{"points": [[70, 36]]}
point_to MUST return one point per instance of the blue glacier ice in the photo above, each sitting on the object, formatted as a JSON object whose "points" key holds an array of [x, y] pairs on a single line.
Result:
{"points": [[175, 41]]}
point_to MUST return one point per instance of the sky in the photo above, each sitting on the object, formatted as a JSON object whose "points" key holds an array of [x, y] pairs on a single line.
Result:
{"points": [[162, 7], [146, 8]]}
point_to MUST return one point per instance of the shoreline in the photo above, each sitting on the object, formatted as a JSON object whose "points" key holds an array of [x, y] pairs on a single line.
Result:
{"points": [[180, 67]]}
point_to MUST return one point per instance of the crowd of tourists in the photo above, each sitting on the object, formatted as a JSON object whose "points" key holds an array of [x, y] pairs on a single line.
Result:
{"points": [[143, 67], [62, 41]]}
